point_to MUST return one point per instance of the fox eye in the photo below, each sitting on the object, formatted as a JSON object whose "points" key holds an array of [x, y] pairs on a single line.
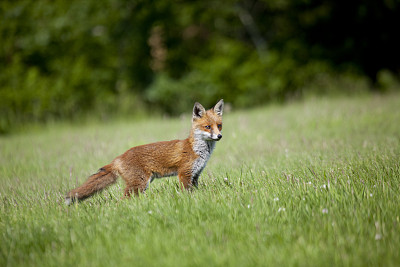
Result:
{"points": [[207, 127], [219, 126]]}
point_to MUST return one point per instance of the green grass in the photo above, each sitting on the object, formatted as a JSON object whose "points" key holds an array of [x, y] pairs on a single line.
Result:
{"points": [[308, 184]]}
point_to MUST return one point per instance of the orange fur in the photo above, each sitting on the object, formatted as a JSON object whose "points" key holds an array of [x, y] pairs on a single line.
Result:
{"points": [[141, 164]]}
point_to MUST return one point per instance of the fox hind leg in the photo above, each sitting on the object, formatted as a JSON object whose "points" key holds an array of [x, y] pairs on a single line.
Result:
{"points": [[136, 184]]}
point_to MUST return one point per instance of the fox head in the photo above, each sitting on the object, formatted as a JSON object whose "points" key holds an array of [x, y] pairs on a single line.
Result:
{"points": [[207, 125]]}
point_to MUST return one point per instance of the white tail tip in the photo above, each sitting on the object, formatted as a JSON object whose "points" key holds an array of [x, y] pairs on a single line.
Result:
{"points": [[68, 201]]}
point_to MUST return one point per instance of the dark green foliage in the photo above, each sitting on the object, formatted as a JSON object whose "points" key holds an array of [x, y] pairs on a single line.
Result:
{"points": [[63, 59]]}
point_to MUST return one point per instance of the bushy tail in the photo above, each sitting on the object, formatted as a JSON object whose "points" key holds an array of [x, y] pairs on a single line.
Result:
{"points": [[97, 182]]}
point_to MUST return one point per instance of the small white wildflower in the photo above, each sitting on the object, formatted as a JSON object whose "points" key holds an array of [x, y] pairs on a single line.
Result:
{"points": [[371, 195], [226, 181], [304, 198], [324, 211], [149, 212], [309, 183], [276, 199], [248, 206], [323, 186], [281, 209]]}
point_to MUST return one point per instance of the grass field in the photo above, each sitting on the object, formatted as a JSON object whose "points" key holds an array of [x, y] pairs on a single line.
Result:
{"points": [[314, 183]]}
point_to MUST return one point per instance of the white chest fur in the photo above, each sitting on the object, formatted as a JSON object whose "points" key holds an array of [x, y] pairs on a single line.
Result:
{"points": [[203, 149]]}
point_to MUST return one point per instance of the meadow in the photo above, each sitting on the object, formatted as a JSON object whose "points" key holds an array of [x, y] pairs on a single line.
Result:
{"points": [[310, 183]]}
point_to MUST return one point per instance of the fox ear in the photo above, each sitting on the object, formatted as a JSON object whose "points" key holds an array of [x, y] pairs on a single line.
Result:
{"points": [[198, 111], [219, 107]]}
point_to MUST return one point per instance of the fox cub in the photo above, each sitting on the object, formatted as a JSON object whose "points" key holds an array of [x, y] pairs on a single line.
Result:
{"points": [[140, 165]]}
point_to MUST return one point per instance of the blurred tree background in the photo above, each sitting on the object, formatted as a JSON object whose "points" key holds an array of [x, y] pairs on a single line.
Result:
{"points": [[63, 59]]}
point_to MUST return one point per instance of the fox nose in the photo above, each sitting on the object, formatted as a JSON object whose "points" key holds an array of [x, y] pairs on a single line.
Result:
{"points": [[219, 136]]}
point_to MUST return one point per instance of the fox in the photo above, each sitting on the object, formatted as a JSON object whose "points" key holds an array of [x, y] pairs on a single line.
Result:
{"points": [[140, 165]]}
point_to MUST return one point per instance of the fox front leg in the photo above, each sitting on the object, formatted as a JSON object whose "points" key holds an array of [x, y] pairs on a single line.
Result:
{"points": [[185, 181]]}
